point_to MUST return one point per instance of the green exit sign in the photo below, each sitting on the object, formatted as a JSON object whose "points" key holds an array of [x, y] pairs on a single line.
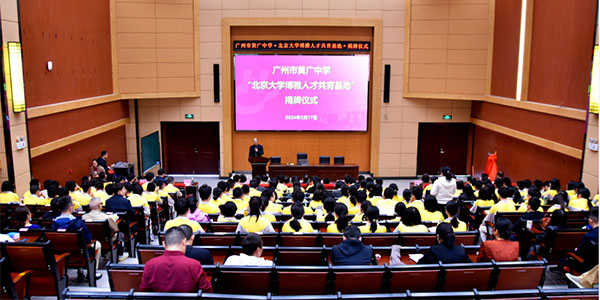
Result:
{"points": [[447, 117], [189, 116]]}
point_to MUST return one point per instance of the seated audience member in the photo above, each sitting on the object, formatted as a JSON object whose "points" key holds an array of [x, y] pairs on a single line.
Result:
{"points": [[351, 251], [586, 280], [182, 207], [505, 204], [415, 199], [411, 222], [399, 210], [206, 206], [136, 199], [100, 192], [581, 201], [501, 248], [376, 194], [430, 213], [151, 194], [486, 198], [587, 248], [252, 248], [28, 192], [387, 204], [254, 222], [297, 223], [297, 197], [532, 214], [446, 250], [559, 201], [364, 205], [343, 198], [35, 197], [118, 203], [272, 208], [467, 194], [328, 206], [316, 203], [96, 214], [79, 198], [531, 192], [173, 271], [197, 253], [228, 210], [341, 219], [238, 199], [196, 214], [263, 207], [24, 218], [67, 221], [452, 210], [352, 203], [170, 187], [372, 225], [7, 195], [558, 221]]}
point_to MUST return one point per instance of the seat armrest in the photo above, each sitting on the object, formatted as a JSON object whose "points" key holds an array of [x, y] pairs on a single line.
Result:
{"points": [[61, 262], [575, 256], [16, 278]]}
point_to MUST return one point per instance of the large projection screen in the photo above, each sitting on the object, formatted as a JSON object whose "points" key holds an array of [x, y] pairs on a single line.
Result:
{"points": [[301, 92]]}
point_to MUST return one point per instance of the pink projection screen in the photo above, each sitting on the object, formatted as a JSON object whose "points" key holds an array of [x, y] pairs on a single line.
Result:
{"points": [[301, 92]]}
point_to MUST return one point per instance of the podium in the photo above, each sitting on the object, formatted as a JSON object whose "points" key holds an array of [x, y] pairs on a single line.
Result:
{"points": [[259, 165]]}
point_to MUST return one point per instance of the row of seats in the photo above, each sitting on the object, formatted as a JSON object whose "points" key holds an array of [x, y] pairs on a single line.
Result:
{"points": [[328, 239], [539, 293], [318, 280], [299, 256]]}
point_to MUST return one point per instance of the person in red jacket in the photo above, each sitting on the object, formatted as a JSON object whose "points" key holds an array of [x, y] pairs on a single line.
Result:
{"points": [[173, 271]]}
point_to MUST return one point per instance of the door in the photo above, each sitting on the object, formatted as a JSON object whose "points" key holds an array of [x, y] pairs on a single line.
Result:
{"points": [[443, 144], [191, 147]]}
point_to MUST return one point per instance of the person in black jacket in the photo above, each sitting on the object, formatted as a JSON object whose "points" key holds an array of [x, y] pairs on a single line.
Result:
{"points": [[256, 150], [67, 221], [118, 202], [446, 251], [351, 251], [199, 254]]}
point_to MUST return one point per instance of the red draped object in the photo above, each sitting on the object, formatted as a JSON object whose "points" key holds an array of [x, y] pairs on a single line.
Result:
{"points": [[491, 167]]}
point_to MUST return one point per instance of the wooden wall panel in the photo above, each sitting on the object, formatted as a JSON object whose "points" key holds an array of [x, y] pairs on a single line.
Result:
{"points": [[75, 36], [505, 58], [521, 160], [562, 130], [561, 52], [52, 127], [73, 161], [447, 49], [353, 145]]}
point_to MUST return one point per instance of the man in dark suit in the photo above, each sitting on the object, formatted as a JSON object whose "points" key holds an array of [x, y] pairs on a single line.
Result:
{"points": [[197, 253], [256, 150], [102, 160], [118, 202]]}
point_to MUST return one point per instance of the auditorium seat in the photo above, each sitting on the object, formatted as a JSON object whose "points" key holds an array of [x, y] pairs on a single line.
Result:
{"points": [[358, 279], [49, 276], [416, 278], [123, 278], [565, 240], [305, 256], [462, 277], [81, 254], [14, 285], [101, 232], [313, 282], [243, 280], [520, 275]]}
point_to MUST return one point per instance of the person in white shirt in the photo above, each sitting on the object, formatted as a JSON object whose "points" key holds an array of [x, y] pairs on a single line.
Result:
{"points": [[252, 248], [444, 187]]}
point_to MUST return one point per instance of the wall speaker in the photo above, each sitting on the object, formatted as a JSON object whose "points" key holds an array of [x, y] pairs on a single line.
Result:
{"points": [[386, 83], [216, 83]]}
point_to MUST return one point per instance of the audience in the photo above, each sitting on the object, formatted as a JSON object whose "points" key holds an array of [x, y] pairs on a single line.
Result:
{"points": [[444, 187], [206, 206], [96, 214], [341, 219], [7, 195], [118, 202], [452, 211], [587, 248], [252, 248], [501, 248], [173, 271], [446, 251], [430, 213], [228, 210], [196, 214], [351, 251], [411, 222]]}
